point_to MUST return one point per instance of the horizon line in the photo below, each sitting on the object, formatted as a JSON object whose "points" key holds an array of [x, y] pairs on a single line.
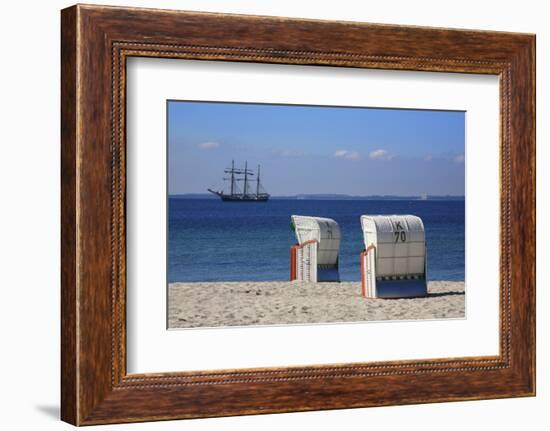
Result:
{"points": [[331, 194]]}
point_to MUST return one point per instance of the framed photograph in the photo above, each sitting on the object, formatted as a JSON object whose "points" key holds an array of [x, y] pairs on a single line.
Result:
{"points": [[264, 215], [240, 254]]}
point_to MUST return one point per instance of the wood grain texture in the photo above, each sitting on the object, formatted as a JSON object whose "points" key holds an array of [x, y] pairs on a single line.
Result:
{"points": [[69, 367], [96, 41]]}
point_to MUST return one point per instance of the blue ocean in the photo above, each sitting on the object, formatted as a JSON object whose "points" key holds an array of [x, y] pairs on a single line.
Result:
{"points": [[211, 240]]}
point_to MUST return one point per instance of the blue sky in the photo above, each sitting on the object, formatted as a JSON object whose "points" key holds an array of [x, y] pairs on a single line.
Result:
{"points": [[308, 149]]}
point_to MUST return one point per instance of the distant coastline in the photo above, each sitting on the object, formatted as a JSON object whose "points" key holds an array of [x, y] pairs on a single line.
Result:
{"points": [[333, 197]]}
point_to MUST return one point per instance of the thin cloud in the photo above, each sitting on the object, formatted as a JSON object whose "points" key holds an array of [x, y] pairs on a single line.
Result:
{"points": [[347, 154], [459, 158], [287, 153], [379, 155], [209, 145]]}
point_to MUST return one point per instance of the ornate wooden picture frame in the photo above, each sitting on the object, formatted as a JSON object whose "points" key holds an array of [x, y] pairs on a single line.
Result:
{"points": [[96, 41]]}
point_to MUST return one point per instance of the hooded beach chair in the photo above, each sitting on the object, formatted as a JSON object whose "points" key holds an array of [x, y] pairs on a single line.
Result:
{"points": [[394, 261], [315, 257]]}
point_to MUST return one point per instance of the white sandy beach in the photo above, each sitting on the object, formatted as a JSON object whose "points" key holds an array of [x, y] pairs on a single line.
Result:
{"points": [[193, 305]]}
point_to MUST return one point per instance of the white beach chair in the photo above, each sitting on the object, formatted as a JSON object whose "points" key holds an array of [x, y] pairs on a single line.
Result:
{"points": [[315, 257], [394, 261]]}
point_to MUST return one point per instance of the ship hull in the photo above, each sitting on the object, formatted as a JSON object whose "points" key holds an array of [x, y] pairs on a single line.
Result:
{"points": [[240, 198], [228, 198]]}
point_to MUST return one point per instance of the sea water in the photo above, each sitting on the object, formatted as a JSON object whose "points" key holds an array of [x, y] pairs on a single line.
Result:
{"points": [[211, 240]]}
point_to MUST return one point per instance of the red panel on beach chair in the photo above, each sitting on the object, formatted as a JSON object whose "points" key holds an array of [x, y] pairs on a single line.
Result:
{"points": [[293, 250]]}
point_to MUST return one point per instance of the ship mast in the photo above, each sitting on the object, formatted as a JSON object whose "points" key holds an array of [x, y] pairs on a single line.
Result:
{"points": [[245, 178], [258, 182], [235, 194], [232, 176]]}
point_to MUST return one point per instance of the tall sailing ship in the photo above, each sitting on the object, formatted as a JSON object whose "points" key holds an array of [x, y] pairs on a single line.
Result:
{"points": [[252, 190]]}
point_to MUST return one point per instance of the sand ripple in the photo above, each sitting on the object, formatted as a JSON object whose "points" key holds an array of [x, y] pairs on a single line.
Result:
{"points": [[193, 305]]}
